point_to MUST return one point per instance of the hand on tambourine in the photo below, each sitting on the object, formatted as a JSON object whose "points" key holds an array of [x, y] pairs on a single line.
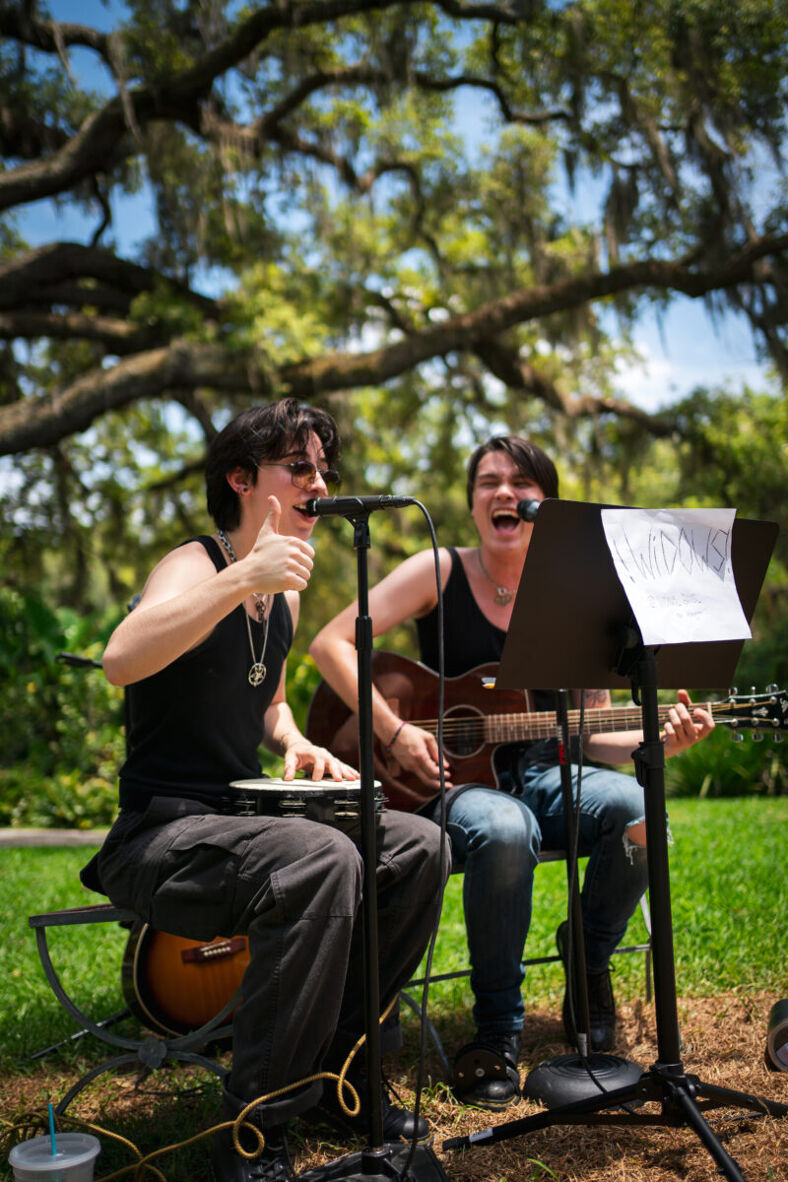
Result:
{"points": [[302, 756]]}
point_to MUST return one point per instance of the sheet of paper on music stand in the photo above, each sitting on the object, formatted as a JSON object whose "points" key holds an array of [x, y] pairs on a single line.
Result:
{"points": [[676, 571]]}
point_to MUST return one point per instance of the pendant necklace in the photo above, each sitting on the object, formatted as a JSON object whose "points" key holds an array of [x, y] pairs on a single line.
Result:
{"points": [[257, 669], [502, 594]]}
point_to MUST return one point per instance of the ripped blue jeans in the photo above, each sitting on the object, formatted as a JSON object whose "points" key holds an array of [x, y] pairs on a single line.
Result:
{"points": [[496, 839]]}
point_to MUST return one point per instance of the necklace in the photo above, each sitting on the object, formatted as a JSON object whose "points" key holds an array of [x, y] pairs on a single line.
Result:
{"points": [[257, 669], [502, 594]]}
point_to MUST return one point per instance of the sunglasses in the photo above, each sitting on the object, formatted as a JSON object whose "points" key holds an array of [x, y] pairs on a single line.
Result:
{"points": [[303, 473]]}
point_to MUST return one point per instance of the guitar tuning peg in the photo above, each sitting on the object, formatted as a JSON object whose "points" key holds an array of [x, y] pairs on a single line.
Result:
{"points": [[753, 690], [733, 691], [757, 736], [737, 737], [777, 738], [772, 688]]}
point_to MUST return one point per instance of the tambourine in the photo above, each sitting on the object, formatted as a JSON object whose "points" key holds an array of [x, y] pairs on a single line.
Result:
{"points": [[328, 802]]}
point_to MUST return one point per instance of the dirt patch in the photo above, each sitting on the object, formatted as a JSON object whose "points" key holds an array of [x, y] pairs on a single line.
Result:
{"points": [[723, 1044]]}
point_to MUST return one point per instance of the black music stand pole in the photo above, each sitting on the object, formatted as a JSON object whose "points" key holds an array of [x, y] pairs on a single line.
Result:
{"points": [[379, 1161], [599, 646]]}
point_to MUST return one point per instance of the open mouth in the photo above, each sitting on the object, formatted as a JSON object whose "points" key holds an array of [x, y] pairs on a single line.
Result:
{"points": [[505, 521], [303, 511]]}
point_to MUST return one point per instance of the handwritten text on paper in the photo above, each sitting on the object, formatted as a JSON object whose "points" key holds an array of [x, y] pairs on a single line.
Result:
{"points": [[675, 567]]}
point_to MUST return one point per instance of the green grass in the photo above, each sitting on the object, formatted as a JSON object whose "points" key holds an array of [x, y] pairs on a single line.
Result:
{"points": [[729, 890], [729, 893]]}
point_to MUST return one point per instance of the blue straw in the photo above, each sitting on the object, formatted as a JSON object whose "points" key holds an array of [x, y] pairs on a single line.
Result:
{"points": [[52, 1130]]}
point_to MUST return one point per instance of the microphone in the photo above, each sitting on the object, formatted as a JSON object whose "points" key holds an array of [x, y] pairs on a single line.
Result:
{"points": [[352, 506], [528, 509]]}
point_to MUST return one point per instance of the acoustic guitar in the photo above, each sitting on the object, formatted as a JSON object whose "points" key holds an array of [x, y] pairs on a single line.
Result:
{"points": [[478, 722], [173, 985]]}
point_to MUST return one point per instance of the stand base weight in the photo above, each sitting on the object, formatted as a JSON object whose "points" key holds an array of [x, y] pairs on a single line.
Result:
{"points": [[570, 1077]]}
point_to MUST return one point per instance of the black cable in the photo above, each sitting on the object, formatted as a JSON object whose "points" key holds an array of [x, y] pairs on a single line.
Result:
{"points": [[442, 825], [573, 855]]}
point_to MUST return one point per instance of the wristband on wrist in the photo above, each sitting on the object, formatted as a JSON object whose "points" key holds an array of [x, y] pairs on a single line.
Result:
{"points": [[393, 738]]}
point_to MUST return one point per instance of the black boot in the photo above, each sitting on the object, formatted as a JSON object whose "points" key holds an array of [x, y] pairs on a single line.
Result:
{"points": [[399, 1124], [485, 1070], [601, 1002], [272, 1165]]}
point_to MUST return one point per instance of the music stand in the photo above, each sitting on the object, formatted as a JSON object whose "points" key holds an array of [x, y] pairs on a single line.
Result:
{"points": [[572, 626], [379, 1161]]}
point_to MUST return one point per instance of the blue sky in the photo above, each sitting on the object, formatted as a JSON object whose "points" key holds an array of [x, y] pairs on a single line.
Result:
{"points": [[681, 351], [688, 351]]}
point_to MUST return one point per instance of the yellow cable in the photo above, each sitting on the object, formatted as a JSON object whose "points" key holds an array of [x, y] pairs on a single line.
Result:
{"points": [[39, 1119]]}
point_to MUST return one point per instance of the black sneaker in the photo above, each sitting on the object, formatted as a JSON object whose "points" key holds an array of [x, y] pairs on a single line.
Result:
{"points": [[399, 1124], [272, 1165], [485, 1070], [601, 1002]]}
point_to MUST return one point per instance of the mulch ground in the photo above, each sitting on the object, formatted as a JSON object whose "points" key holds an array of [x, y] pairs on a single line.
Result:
{"points": [[723, 1038]]}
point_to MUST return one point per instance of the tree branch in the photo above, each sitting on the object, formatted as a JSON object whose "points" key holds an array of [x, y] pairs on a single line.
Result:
{"points": [[50, 36], [185, 365], [178, 98], [36, 273], [337, 371], [115, 336], [24, 425]]}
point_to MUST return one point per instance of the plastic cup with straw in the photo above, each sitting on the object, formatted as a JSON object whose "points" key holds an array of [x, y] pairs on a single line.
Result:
{"points": [[69, 1157]]}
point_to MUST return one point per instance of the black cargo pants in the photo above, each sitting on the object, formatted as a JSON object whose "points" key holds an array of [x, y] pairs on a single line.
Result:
{"points": [[293, 887]]}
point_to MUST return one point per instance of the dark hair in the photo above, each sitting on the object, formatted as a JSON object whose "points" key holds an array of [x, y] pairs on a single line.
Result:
{"points": [[535, 464], [261, 433]]}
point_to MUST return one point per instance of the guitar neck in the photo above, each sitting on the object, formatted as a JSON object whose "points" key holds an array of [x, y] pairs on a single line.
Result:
{"points": [[542, 724]]}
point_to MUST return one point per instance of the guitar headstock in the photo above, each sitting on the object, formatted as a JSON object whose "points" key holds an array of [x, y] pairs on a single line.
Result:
{"points": [[765, 713]]}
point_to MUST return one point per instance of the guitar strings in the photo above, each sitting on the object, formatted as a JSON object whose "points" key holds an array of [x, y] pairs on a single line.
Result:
{"points": [[482, 724]]}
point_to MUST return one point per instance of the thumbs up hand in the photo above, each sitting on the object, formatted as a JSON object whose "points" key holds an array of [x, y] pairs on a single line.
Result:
{"points": [[278, 562]]}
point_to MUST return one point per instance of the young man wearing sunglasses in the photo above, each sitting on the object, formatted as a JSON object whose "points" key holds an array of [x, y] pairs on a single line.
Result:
{"points": [[203, 659]]}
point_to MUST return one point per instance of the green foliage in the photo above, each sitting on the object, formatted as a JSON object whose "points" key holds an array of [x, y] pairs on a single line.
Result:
{"points": [[720, 767], [62, 726], [735, 450]]}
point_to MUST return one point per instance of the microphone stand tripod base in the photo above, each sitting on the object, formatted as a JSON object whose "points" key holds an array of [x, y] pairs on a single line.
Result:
{"points": [[568, 1078]]}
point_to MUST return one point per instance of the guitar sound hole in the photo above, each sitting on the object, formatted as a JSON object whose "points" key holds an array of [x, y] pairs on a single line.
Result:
{"points": [[463, 731]]}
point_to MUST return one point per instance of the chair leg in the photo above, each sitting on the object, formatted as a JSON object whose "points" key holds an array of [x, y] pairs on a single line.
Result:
{"points": [[433, 1033]]}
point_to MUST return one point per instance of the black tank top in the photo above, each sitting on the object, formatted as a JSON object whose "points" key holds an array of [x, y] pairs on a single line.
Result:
{"points": [[471, 640], [196, 725]]}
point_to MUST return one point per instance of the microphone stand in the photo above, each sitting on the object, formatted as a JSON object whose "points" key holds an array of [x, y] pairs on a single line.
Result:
{"points": [[379, 1161], [376, 1151]]}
